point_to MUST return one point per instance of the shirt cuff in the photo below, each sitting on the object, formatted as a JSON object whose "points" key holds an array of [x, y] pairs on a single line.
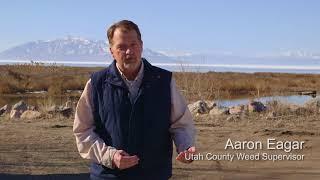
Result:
{"points": [[107, 158], [183, 140]]}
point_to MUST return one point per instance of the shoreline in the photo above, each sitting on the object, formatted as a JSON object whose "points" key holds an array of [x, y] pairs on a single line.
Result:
{"points": [[185, 66]]}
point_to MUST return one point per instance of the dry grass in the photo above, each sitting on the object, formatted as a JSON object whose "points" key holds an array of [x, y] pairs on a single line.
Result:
{"points": [[212, 85], [45, 105], [37, 77]]}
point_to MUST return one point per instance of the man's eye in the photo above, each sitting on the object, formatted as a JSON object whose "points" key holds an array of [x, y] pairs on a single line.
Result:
{"points": [[135, 45], [121, 48]]}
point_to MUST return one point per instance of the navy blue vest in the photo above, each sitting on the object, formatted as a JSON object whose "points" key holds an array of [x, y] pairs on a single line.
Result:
{"points": [[140, 128]]}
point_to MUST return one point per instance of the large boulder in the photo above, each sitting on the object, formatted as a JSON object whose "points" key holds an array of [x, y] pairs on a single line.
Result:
{"points": [[20, 106], [29, 114], [201, 107], [256, 106], [5, 109], [18, 109]]}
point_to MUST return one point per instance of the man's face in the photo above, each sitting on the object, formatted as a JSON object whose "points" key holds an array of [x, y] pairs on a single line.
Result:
{"points": [[126, 49]]}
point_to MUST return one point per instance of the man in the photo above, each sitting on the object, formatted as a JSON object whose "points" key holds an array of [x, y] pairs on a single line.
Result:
{"points": [[129, 113]]}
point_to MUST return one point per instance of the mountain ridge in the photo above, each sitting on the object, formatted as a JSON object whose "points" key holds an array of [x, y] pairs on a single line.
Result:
{"points": [[71, 49], [79, 49]]}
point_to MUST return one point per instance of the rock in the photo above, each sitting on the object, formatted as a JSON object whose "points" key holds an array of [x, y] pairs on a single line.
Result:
{"points": [[216, 111], [237, 109], [29, 114], [66, 111], [5, 109], [2, 111], [14, 114], [256, 106], [201, 107], [18, 109], [20, 106]]}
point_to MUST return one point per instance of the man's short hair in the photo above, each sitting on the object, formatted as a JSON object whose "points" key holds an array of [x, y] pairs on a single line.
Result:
{"points": [[124, 25]]}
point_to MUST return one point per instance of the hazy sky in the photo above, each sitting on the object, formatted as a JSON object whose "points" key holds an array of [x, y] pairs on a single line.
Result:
{"points": [[194, 26]]}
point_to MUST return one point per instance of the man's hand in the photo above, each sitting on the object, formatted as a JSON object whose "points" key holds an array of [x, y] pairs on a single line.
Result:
{"points": [[123, 160], [185, 156]]}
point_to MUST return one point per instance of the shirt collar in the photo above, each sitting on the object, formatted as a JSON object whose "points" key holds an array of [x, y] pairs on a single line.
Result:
{"points": [[139, 75]]}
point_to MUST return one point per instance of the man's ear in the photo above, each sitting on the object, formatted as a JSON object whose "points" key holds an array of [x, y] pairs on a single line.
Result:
{"points": [[111, 52]]}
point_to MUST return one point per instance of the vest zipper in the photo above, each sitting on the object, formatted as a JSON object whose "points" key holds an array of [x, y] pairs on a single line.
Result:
{"points": [[131, 115]]}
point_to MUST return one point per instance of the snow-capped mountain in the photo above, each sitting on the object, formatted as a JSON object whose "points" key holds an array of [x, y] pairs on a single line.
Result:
{"points": [[77, 49], [71, 49]]}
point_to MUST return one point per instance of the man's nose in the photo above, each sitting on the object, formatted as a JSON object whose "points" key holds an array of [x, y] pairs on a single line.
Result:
{"points": [[129, 51]]}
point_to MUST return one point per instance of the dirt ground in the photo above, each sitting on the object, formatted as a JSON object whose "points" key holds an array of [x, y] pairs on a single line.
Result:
{"points": [[45, 149]]}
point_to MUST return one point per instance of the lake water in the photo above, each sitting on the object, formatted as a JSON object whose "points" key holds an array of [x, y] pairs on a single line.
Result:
{"points": [[31, 100], [247, 68], [292, 99]]}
